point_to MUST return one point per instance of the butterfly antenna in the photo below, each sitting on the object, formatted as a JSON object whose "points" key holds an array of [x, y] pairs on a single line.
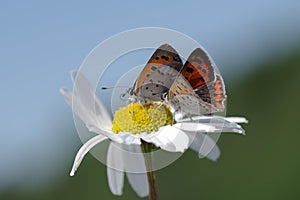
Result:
{"points": [[112, 87]]}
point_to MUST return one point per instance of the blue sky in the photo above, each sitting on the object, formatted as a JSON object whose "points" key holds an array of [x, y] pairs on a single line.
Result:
{"points": [[42, 41]]}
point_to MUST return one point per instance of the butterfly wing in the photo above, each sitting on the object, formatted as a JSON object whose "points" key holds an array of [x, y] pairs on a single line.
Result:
{"points": [[159, 73], [159, 83], [183, 99], [213, 93], [206, 88], [199, 71]]}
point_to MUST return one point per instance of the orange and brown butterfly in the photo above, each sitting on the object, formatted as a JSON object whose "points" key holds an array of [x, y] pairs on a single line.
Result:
{"points": [[158, 75], [198, 89]]}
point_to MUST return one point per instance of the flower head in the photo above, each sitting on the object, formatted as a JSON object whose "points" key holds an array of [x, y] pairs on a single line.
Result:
{"points": [[134, 124], [137, 118]]}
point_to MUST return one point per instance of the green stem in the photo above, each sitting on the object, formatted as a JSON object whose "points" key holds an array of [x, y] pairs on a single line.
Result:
{"points": [[147, 150]]}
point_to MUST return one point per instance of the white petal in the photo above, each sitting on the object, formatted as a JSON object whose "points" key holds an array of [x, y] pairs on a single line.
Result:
{"points": [[211, 124], [86, 104], [83, 151], [78, 110], [233, 129], [115, 168], [237, 119], [129, 138], [114, 137], [133, 159], [87, 94], [223, 125], [127, 158], [136, 169], [139, 183], [151, 138], [204, 145], [193, 126], [168, 138], [204, 119]]}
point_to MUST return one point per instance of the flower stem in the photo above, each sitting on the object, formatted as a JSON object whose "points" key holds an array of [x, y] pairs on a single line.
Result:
{"points": [[147, 150]]}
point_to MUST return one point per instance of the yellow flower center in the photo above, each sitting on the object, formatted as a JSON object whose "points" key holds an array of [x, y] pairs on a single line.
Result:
{"points": [[137, 118]]}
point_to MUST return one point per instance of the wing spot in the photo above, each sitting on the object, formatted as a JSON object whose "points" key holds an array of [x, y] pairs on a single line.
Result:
{"points": [[199, 67], [165, 57], [199, 59], [153, 68], [156, 58], [190, 70]]}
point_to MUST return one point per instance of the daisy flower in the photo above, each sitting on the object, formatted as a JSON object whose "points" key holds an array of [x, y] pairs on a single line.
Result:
{"points": [[136, 130]]}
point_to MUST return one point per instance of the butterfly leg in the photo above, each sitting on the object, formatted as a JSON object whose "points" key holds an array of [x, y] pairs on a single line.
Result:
{"points": [[190, 117], [173, 116], [132, 109], [173, 119], [159, 106], [145, 111]]}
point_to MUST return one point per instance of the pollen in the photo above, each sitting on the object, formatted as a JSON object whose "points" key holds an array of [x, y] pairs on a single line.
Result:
{"points": [[137, 118]]}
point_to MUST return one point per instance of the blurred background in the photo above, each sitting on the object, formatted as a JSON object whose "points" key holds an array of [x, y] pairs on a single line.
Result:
{"points": [[255, 44]]}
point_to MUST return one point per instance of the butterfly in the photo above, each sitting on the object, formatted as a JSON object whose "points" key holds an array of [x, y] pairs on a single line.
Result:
{"points": [[192, 88], [198, 89], [157, 76]]}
